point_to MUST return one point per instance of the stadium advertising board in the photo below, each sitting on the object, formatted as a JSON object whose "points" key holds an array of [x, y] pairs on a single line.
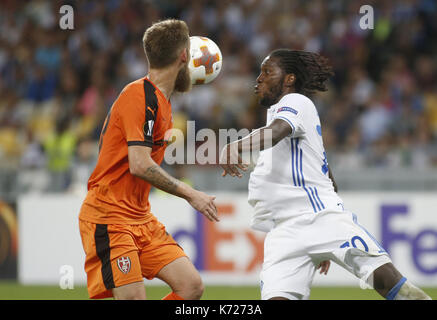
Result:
{"points": [[228, 252], [8, 241]]}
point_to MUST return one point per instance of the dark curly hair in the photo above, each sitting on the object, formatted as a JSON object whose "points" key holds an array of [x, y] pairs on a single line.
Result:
{"points": [[311, 69]]}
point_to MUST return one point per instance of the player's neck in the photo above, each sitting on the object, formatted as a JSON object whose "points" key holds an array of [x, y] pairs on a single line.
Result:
{"points": [[164, 79], [283, 94]]}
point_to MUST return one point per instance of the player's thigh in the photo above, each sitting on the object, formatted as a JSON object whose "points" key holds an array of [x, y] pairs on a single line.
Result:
{"points": [[352, 247], [131, 291], [163, 258], [287, 270], [287, 278], [181, 275], [112, 258]]}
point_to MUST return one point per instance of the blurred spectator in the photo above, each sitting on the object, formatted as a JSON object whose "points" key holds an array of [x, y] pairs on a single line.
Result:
{"points": [[42, 85], [83, 164], [381, 109], [60, 147], [375, 120]]}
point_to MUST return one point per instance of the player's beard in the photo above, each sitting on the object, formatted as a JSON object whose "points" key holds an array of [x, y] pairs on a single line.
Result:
{"points": [[183, 80], [273, 94]]}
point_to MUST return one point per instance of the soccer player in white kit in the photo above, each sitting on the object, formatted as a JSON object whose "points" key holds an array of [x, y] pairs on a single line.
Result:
{"points": [[294, 195]]}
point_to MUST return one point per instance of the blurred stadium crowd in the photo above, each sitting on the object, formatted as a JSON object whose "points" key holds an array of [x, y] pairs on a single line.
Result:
{"points": [[56, 86]]}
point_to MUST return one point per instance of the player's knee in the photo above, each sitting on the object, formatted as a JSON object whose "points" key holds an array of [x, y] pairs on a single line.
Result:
{"points": [[197, 288], [130, 295], [193, 288], [190, 287], [132, 291]]}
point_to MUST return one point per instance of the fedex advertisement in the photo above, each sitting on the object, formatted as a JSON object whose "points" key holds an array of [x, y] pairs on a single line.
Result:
{"points": [[226, 248], [228, 252]]}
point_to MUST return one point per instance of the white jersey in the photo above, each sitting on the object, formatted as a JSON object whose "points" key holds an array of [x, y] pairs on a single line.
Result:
{"points": [[291, 178]]}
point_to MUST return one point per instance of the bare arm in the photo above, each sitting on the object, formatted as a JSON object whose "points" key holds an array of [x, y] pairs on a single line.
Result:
{"points": [[260, 139], [143, 166], [265, 137]]}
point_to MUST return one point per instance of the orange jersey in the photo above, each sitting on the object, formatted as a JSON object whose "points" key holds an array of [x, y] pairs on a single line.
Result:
{"points": [[141, 115]]}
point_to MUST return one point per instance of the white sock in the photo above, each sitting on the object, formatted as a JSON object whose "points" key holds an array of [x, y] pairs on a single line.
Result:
{"points": [[409, 291]]}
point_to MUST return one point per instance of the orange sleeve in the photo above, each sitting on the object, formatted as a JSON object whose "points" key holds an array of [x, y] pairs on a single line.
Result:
{"points": [[137, 118]]}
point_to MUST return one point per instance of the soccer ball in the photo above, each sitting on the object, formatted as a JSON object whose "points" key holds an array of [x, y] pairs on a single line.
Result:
{"points": [[206, 60]]}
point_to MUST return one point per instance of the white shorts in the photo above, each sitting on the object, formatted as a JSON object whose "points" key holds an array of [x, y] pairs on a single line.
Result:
{"points": [[295, 247]]}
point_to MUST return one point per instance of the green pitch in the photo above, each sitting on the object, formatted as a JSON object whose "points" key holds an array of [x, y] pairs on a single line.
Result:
{"points": [[14, 291]]}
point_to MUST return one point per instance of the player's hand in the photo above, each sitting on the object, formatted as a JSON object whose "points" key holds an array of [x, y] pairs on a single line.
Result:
{"points": [[204, 204], [324, 267], [231, 161]]}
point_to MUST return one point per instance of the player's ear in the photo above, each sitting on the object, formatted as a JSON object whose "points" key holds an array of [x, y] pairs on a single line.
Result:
{"points": [[185, 55], [290, 79]]}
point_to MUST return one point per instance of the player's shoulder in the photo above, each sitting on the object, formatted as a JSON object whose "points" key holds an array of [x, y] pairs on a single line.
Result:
{"points": [[131, 97], [297, 98], [296, 103], [134, 87]]}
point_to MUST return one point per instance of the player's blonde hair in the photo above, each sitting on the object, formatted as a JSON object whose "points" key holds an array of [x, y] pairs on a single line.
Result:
{"points": [[163, 41]]}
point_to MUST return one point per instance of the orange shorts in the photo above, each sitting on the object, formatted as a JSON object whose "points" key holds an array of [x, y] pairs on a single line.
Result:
{"points": [[121, 254]]}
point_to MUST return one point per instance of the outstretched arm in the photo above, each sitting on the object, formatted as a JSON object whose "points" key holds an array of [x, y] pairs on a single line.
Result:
{"points": [[143, 166], [260, 139]]}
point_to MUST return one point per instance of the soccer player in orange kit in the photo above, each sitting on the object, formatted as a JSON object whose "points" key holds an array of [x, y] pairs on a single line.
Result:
{"points": [[123, 241]]}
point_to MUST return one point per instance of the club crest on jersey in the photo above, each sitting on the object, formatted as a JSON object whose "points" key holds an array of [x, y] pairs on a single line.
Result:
{"points": [[290, 109], [124, 264]]}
